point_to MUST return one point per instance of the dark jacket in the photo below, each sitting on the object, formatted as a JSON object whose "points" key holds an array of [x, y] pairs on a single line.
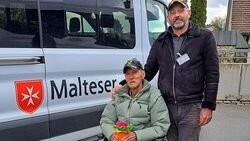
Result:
{"points": [[194, 81]]}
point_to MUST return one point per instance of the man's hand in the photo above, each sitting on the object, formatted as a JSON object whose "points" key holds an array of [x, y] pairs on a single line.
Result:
{"points": [[114, 89], [113, 137], [205, 116], [130, 137]]}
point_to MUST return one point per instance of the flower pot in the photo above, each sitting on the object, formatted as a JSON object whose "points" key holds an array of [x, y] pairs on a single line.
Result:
{"points": [[121, 135]]}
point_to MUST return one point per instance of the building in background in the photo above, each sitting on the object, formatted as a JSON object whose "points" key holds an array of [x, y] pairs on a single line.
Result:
{"points": [[238, 17]]}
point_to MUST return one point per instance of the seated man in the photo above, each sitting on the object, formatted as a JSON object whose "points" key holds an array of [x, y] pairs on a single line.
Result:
{"points": [[139, 104]]}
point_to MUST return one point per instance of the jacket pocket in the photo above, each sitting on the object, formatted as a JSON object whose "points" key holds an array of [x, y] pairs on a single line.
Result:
{"points": [[140, 110], [192, 81], [198, 77]]}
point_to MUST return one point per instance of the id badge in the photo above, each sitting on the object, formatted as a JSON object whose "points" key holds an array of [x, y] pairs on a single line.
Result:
{"points": [[183, 59]]}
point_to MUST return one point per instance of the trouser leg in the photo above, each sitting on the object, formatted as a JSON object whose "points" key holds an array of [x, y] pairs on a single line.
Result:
{"points": [[172, 134], [184, 122], [189, 134], [188, 125]]}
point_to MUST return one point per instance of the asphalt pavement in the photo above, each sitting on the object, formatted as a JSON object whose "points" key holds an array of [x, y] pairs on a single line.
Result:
{"points": [[230, 122]]}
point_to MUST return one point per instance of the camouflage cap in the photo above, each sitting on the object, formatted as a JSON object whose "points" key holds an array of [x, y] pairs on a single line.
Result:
{"points": [[132, 64]]}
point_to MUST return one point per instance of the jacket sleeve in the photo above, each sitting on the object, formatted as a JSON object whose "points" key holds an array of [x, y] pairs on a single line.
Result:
{"points": [[152, 66], [108, 119], [211, 73], [159, 120]]}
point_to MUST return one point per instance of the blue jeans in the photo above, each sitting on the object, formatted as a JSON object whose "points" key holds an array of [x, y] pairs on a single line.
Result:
{"points": [[184, 119]]}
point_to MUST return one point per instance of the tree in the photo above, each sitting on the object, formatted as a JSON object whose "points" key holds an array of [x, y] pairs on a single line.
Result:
{"points": [[218, 23], [199, 11]]}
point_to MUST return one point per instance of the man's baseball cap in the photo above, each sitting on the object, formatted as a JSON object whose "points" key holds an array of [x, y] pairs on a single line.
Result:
{"points": [[183, 2], [133, 64]]}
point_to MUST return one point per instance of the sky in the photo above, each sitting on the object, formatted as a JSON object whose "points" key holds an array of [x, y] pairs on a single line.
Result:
{"points": [[215, 8]]}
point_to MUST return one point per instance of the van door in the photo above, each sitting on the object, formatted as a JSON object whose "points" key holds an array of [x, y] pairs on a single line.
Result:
{"points": [[23, 98], [86, 46]]}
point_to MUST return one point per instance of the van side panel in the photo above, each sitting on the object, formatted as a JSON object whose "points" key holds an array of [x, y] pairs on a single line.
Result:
{"points": [[60, 59], [80, 119], [35, 128], [23, 98]]}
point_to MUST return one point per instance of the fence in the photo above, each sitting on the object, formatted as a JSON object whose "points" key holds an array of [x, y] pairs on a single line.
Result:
{"points": [[234, 74]]}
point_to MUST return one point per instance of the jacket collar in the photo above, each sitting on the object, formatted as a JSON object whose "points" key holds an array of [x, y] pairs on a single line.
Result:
{"points": [[193, 31]]}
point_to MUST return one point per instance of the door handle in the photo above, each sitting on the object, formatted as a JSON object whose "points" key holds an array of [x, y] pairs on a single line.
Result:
{"points": [[21, 60]]}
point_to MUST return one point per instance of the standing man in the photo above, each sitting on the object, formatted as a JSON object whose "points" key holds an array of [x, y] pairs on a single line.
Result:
{"points": [[187, 61]]}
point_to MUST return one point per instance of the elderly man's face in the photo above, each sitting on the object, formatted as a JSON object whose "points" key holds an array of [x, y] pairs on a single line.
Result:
{"points": [[178, 16], [134, 78]]}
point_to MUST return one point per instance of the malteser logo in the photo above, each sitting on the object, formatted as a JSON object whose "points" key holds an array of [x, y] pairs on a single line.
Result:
{"points": [[29, 95]]}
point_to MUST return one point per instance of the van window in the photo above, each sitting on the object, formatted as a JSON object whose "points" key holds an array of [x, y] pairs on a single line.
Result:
{"points": [[88, 24], [156, 16], [78, 25], [18, 24]]}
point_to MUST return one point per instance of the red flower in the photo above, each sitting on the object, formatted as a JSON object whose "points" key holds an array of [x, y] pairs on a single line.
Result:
{"points": [[121, 124]]}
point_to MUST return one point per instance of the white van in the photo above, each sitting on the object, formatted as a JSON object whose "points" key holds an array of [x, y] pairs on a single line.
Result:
{"points": [[59, 60]]}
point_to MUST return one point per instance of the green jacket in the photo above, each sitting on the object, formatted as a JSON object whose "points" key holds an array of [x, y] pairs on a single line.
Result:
{"points": [[147, 112]]}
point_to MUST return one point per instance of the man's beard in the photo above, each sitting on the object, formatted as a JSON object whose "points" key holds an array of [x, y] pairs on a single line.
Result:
{"points": [[179, 25]]}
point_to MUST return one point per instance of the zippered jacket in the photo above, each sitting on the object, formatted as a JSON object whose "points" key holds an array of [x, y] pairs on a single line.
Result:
{"points": [[146, 111], [197, 79]]}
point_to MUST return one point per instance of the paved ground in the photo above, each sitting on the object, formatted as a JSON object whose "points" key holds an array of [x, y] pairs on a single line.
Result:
{"points": [[230, 123]]}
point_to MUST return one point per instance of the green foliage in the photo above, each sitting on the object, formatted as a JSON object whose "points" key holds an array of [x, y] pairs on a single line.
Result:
{"points": [[2, 18], [199, 11], [18, 15], [218, 23]]}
